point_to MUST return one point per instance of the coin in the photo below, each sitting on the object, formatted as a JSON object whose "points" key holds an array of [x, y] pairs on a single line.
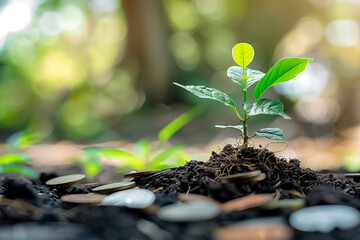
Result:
{"points": [[114, 187], [65, 181], [91, 198], [248, 202], [190, 197], [132, 198], [289, 204], [189, 212], [355, 176], [325, 218], [241, 176], [134, 174], [268, 231], [259, 178]]}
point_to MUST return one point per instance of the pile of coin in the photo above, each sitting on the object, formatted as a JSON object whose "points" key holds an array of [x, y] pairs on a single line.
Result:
{"points": [[197, 208]]}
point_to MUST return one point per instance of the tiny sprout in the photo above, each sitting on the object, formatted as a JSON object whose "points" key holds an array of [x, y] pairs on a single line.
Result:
{"points": [[284, 70]]}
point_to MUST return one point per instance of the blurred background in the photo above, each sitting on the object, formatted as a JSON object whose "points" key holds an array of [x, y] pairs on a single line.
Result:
{"points": [[95, 71]]}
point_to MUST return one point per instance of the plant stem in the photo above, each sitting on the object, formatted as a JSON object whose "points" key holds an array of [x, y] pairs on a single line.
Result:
{"points": [[245, 129]]}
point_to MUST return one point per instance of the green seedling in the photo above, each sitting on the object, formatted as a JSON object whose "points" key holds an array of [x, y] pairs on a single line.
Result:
{"points": [[34, 133], [9, 164], [283, 71], [143, 157]]}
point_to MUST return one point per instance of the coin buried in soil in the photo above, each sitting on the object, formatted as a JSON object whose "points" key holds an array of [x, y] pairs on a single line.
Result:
{"points": [[259, 178], [288, 204], [268, 231], [248, 202], [325, 218], [355, 176], [189, 212], [132, 198], [190, 197], [135, 174], [114, 187], [65, 181], [241, 176], [90, 199]]}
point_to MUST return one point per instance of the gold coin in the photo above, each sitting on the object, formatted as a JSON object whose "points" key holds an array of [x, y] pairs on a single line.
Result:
{"points": [[114, 187], [248, 202], [65, 181], [90, 198]]}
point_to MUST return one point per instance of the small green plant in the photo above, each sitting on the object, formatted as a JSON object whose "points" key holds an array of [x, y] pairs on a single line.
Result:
{"points": [[35, 132], [143, 157], [283, 71]]}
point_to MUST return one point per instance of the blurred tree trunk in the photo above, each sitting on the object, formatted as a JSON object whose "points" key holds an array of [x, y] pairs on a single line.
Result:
{"points": [[147, 45]]}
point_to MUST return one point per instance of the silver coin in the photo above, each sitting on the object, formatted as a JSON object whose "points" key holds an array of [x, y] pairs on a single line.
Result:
{"points": [[325, 218], [189, 212], [132, 198]]}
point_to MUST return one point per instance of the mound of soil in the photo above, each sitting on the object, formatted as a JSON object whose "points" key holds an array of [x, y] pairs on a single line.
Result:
{"points": [[286, 177]]}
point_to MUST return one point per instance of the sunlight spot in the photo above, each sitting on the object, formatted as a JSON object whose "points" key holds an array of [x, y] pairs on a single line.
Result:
{"points": [[343, 33], [308, 84]]}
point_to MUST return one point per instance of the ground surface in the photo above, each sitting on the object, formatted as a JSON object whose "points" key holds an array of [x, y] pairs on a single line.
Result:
{"points": [[32, 209]]}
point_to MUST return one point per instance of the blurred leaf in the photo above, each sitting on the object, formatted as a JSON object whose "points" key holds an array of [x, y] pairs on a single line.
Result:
{"points": [[91, 168], [23, 139], [235, 73], [283, 71], [25, 171], [14, 158], [142, 148], [91, 164], [166, 133], [243, 54], [128, 158], [163, 156], [271, 133], [210, 93], [238, 127], [266, 107]]}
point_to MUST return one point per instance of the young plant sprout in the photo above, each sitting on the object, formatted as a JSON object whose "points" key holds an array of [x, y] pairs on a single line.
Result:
{"points": [[143, 157], [283, 71]]}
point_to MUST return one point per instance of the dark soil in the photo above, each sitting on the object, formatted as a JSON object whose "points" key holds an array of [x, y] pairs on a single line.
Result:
{"points": [[38, 210], [286, 177]]}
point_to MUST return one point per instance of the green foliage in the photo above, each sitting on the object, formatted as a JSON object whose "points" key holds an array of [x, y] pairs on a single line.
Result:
{"points": [[210, 93], [243, 54], [271, 133], [166, 133], [143, 156], [235, 74], [8, 165], [266, 107], [283, 71]]}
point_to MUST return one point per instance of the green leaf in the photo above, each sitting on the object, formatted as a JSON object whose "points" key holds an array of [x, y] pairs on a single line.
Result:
{"points": [[238, 127], [25, 171], [243, 54], [91, 168], [91, 164], [210, 93], [14, 158], [283, 71], [166, 133], [266, 107], [163, 156], [235, 73], [128, 158], [271, 133], [142, 148]]}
